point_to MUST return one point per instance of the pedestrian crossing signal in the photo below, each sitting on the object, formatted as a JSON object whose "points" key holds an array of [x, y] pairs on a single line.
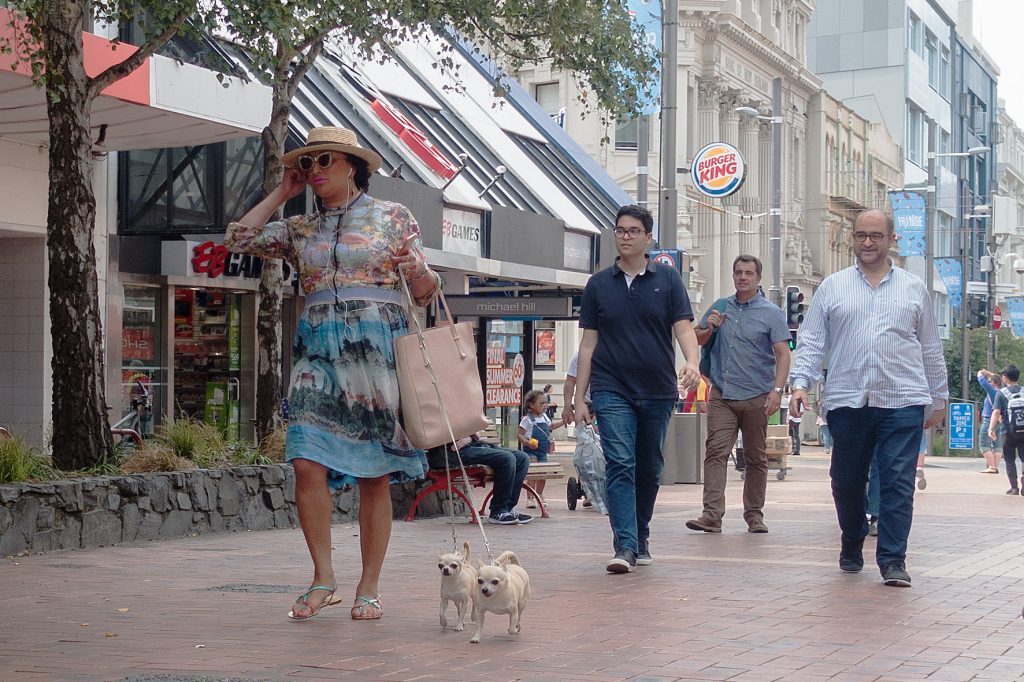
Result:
{"points": [[792, 341]]}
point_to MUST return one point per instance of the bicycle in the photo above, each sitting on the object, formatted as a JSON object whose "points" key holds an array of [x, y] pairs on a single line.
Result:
{"points": [[130, 428]]}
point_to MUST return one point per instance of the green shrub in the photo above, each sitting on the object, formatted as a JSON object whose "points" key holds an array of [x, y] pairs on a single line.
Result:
{"points": [[194, 440], [20, 462]]}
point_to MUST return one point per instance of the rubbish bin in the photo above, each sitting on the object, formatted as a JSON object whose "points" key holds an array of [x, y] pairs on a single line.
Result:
{"points": [[684, 448]]}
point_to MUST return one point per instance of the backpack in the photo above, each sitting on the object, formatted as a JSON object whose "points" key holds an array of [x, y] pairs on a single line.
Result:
{"points": [[1014, 418]]}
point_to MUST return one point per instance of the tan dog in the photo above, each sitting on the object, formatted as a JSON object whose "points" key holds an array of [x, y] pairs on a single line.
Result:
{"points": [[458, 585], [503, 587]]}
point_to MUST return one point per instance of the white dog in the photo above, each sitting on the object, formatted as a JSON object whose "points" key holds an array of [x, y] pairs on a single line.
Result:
{"points": [[503, 587], [458, 584]]}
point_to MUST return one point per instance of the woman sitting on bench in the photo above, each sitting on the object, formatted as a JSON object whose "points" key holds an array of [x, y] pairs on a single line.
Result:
{"points": [[509, 466]]}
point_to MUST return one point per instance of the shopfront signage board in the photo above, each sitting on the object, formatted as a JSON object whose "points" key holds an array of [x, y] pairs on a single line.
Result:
{"points": [[493, 306], [460, 232]]}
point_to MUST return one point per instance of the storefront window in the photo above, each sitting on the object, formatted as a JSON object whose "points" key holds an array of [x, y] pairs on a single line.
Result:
{"points": [[142, 372], [207, 357], [544, 345]]}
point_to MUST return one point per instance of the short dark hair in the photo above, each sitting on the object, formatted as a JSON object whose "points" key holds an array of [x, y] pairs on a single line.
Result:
{"points": [[638, 212], [1011, 372], [888, 218], [747, 258], [361, 177]]}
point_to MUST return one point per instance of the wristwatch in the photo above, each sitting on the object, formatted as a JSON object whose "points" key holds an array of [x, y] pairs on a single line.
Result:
{"points": [[777, 390]]}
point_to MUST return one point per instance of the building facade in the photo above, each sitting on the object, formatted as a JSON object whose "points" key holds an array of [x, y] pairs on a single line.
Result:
{"points": [[728, 54], [914, 66], [164, 102], [852, 163]]}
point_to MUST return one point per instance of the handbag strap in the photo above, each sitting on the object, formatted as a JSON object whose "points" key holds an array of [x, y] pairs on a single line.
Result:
{"points": [[411, 313]]}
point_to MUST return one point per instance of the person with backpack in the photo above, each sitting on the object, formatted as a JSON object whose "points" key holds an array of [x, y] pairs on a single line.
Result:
{"points": [[1009, 406]]}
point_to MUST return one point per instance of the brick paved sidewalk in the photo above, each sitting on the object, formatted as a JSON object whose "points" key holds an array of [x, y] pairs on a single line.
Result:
{"points": [[734, 606]]}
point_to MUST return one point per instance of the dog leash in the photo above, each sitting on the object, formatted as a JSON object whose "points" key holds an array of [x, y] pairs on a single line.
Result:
{"points": [[411, 314]]}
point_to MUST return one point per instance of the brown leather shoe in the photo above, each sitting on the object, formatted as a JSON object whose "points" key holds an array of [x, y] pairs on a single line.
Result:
{"points": [[705, 524], [757, 527]]}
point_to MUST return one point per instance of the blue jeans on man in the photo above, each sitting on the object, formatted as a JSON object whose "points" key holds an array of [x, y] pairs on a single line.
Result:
{"points": [[892, 437], [510, 469], [632, 437]]}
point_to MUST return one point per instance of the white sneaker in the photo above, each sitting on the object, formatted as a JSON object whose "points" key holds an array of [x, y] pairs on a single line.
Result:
{"points": [[922, 482]]}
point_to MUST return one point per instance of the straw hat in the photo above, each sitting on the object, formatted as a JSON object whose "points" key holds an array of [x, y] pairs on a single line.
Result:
{"points": [[329, 138]]}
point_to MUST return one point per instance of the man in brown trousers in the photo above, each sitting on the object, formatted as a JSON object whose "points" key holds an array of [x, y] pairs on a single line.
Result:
{"points": [[749, 365]]}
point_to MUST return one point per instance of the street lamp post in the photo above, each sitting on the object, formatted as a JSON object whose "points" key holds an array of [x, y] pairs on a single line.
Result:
{"points": [[776, 119], [965, 339]]}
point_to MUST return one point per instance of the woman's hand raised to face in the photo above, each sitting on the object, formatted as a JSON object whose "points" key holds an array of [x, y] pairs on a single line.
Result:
{"points": [[293, 183]]}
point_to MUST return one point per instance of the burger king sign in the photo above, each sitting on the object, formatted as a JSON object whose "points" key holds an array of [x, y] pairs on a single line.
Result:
{"points": [[718, 170]]}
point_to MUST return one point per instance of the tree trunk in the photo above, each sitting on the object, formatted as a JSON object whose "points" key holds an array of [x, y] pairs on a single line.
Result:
{"points": [[81, 429], [269, 384]]}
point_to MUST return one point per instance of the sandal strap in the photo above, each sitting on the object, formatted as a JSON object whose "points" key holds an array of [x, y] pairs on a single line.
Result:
{"points": [[305, 595], [375, 602]]}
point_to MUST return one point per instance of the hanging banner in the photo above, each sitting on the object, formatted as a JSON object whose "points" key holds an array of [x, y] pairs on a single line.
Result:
{"points": [[1015, 313], [646, 14], [909, 214], [949, 271]]}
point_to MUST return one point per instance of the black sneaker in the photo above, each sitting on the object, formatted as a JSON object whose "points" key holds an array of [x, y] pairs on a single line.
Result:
{"points": [[895, 575], [505, 519], [851, 558], [1013, 491], [643, 557], [622, 562], [521, 517]]}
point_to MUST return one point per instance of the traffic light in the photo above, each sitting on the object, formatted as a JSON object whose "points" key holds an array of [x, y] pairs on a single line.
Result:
{"points": [[792, 341], [794, 308], [977, 312]]}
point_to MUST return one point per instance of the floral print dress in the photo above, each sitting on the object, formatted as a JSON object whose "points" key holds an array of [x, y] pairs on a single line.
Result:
{"points": [[343, 389]]}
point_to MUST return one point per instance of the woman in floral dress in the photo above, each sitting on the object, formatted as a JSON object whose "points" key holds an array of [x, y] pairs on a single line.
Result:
{"points": [[344, 426]]}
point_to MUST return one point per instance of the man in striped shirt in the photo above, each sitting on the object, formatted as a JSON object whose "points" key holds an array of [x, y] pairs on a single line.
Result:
{"points": [[886, 378]]}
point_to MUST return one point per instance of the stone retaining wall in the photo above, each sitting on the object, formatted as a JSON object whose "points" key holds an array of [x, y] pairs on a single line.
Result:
{"points": [[94, 512]]}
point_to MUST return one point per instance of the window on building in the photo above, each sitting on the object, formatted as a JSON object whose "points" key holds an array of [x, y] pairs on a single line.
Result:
{"points": [[548, 98], [944, 80], [188, 189], [915, 34], [915, 135], [626, 133], [931, 51], [945, 146]]}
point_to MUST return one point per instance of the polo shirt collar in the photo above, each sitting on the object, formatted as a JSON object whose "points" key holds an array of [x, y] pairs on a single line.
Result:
{"points": [[648, 266]]}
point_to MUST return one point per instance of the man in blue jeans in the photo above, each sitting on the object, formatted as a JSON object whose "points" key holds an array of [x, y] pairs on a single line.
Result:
{"points": [[886, 379], [630, 314], [510, 469]]}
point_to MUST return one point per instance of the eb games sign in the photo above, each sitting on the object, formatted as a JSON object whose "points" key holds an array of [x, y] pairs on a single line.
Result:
{"points": [[211, 260]]}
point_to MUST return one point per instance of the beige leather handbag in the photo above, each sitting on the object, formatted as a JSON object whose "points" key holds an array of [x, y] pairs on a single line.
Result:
{"points": [[439, 386]]}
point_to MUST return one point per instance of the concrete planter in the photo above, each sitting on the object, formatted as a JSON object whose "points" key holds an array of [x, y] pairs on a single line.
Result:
{"points": [[94, 512]]}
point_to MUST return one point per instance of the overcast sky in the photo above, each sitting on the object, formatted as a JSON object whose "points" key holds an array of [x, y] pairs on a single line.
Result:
{"points": [[998, 26]]}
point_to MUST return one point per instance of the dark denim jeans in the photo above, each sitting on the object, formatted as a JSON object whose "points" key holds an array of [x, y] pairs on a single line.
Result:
{"points": [[893, 437], [510, 467], [632, 435]]}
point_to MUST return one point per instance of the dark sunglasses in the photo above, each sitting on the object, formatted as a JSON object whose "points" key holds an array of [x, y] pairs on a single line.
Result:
{"points": [[323, 159]]}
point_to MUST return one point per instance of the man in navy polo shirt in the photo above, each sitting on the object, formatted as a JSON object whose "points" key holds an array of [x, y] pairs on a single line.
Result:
{"points": [[631, 312]]}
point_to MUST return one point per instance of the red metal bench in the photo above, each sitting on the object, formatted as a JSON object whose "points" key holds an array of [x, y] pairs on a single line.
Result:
{"points": [[479, 476]]}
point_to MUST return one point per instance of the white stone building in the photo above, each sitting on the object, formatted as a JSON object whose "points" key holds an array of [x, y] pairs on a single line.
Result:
{"points": [[729, 52]]}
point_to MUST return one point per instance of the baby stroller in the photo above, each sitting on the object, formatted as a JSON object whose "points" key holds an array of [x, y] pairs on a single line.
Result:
{"points": [[589, 462]]}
